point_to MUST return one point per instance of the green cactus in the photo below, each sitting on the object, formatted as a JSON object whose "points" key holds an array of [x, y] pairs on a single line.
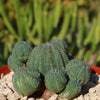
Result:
{"points": [[21, 51], [26, 80], [60, 43], [47, 56], [55, 80], [13, 63], [78, 69], [73, 88]]}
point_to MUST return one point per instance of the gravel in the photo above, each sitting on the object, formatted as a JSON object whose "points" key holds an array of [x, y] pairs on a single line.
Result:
{"points": [[91, 91]]}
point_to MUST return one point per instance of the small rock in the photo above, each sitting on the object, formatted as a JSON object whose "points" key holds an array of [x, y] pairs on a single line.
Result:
{"points": [[54, 97], [10, 85], [2, 75], [2, 97], [97, 88], [24, 98], [86, 97], [31, 99], [80, 97], [93, 96], [98, 97], [8, 78], [10, 97], [92, 90], [75, 99], [17, 96], [40, 99]]}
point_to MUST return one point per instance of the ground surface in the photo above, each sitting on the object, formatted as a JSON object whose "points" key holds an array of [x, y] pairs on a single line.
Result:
{"points": [[89, 92]]}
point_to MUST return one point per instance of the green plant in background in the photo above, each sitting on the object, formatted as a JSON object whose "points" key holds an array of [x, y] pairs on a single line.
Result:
{"points": [[37, 21]]}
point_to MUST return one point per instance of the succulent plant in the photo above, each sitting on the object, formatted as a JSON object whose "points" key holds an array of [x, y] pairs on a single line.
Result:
{"points": [[55, 80], [13, 63], [61, 73], [46, 56], [78, 69], [60, 43], [26, 80], [73, 88], [21, 51]]}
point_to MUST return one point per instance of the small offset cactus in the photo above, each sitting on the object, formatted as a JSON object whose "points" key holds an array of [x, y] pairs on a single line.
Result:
{"points": [[21, 51], [60, 43], [13, 63], [47, 56], [26, 80], [78, 69], [73, 88], [55, 80]]}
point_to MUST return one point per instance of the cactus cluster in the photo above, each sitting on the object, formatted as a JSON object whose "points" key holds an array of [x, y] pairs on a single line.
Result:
{"points": [[48, 63]]}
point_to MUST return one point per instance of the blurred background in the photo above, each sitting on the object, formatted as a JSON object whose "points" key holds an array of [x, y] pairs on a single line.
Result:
{"points": [[37, 21]]}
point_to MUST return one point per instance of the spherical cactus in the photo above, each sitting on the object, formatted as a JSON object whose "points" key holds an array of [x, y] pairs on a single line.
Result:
{"points": [[21, 51], [55, 80], [60, 43], [78, 69], [73, 88], [13, 63], [26, 80], [47, 56]]}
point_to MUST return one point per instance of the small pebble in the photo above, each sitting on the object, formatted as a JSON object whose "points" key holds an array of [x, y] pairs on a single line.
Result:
{"points": [[31, 99], [92, 90], [80, 97], [24, 98], [54, 97], [40, 99], [2, 97], [86, 97], [98, 96], [93, 96]]}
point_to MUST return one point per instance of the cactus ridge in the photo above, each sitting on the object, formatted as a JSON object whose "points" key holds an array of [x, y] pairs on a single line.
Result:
{"points": [[47, 56], [13, 63], [26, 80], [78, 69], [73, 88], [60, 43], [63, 53], [21, 51], [55, 80]]}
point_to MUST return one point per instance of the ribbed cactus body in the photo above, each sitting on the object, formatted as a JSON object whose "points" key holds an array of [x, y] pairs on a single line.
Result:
{"points": [[55, 80], [13, 63], [26, 80], [47, 56], [60, 43], [73, 88], [21, 51], [78, 69]]}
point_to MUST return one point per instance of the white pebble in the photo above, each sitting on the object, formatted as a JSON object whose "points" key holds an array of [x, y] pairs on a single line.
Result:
{"points": [[80, 97], [86, 97], [92, 90], [31, 99], [54, 97]]}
